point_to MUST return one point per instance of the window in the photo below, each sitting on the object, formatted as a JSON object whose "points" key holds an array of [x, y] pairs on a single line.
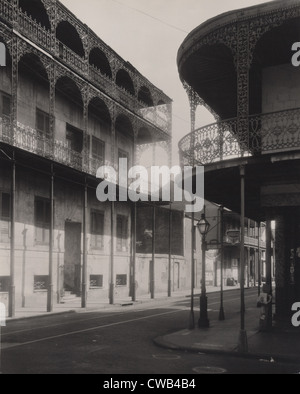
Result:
{"points": [[98, 150], [42, 216], [4, 284], [122, 233], [6, 105], [40, 283], [97, 229], [4, 217], [96, 281], [74, 138], [42, 123], [121, 280]]}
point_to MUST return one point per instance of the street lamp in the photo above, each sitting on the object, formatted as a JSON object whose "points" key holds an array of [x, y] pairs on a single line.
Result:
{"points": [[203, 227]]}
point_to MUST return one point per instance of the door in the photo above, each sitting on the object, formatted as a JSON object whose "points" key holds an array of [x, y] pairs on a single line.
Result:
{"points": [[176, 277], [151, 277], [72, 268]]}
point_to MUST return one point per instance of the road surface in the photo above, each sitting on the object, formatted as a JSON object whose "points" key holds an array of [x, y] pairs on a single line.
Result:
{"points": [[120, 341]]}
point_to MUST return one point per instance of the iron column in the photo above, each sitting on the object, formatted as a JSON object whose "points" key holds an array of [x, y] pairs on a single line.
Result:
{"points": [[222, 314], [243, 341]]}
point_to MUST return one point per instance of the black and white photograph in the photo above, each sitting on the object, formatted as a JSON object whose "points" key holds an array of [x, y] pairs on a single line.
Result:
{"points": [[149, 190]]}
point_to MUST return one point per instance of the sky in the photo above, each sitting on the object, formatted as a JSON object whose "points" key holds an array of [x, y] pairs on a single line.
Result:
{"points": [[148, 34]]}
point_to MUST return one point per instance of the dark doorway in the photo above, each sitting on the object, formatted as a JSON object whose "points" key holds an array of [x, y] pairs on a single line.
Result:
{"points": [[176, 277], [72, 268], [151, 277]]}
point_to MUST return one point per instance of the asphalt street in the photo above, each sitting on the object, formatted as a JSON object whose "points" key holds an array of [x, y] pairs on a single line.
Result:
{"points": [[120, 341]]}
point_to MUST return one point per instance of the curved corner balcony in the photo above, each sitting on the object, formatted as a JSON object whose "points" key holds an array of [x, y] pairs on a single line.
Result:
{"points": [[256, 135]]}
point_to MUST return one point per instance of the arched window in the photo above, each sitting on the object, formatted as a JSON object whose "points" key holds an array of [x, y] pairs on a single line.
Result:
{"points": [[99, 60], [37, 11], [124, 81], [124, 126], [145, 96], [68, 35]]}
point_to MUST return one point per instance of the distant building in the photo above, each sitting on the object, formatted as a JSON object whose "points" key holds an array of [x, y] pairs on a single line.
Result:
{"points": [[255, 247]]}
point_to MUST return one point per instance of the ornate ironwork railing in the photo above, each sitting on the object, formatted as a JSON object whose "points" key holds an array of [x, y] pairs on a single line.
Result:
{"points": [[70, 57], [45, 38], [101, 80], [125, 97], [157, 116], [265, 133], [6, 10], [33, 30], [35, 142]]}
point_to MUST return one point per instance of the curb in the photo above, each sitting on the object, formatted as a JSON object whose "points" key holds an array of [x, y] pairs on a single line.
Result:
{"points": [[140, 302], [163, 343], [107, 307], [42, 315]]}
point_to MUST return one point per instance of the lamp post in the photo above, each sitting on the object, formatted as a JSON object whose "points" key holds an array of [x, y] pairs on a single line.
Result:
{"points": [[192, 315], [203, 227]]}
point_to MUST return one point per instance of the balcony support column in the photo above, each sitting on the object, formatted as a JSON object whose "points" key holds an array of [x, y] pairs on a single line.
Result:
{"points": [[85, 249], [51, 239], [15, 5], [12, 288], [112, 218], [243, 65], [259, 260], [170, 251], [248, 265], [152, 267], [268, 288], [14, 82], [255, 257], [112, 255], [133, 229], [243, 341], [86, 137], [52, 105]]}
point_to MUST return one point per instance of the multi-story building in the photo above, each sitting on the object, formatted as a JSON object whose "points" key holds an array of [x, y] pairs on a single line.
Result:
{"points": [[255, 247], [239, 65], [68, 105]]}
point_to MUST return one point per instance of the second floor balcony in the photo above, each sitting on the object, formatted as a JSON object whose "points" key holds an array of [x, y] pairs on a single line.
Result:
{"points": [[63, 42], [256, 135], [30, 140]]}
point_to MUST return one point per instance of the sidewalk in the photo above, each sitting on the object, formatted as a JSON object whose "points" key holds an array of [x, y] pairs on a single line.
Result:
{"points": [[222, 338], [74, 306]]}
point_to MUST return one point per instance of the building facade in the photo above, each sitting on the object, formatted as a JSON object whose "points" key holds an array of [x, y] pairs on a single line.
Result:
{"points": [[239, 65], [68, 105], [224, 232]]}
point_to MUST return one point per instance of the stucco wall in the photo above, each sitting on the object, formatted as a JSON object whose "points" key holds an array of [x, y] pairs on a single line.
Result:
{"points": [[180, 273], [33, 259]]}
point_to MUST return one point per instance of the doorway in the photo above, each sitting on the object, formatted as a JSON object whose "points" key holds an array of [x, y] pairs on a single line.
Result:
{"points": [[72, 263], [151, 277], [176, 277]]}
